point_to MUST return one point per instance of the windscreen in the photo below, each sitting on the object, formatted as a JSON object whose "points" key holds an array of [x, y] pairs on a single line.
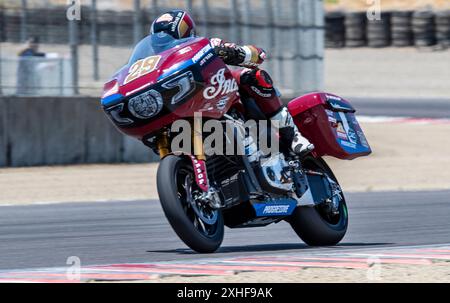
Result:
{"points": [[155, 44]]}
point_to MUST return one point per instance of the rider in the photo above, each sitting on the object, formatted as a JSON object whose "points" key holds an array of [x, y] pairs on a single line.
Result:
{"points": [[255, 84]]}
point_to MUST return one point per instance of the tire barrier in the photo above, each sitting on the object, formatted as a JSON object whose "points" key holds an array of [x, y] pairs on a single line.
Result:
{"points": [[424, 28], [421, 28], [401, 30], [443, 28], [335, 30], [378, 31], [355, 29]]}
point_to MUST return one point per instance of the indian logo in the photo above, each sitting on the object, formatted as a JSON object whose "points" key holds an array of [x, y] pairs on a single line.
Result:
{"points": [[220, 85]]}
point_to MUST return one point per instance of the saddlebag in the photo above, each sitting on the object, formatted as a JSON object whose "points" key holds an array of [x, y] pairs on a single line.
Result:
{"points": [[329, 122]]}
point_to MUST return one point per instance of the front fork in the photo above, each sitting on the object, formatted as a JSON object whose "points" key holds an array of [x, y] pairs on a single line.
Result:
{"points": [[208, 194]]}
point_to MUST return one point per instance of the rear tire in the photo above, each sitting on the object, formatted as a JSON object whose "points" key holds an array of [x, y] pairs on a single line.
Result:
{"points": [[173, 174], [312, 224]]}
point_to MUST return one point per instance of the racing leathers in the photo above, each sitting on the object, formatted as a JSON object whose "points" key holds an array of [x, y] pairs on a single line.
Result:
{"points": [[256, 86]]}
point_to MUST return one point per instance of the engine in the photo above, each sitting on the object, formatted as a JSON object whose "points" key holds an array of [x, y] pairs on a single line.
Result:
{"points": [[274, 174]]}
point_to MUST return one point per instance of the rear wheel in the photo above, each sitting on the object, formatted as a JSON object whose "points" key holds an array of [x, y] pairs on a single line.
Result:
{"points": [[198, 226], [321, 225]]}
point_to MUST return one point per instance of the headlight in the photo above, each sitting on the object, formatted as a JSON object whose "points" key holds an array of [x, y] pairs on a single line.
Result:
{"points": [[146, 105], [185, 83]]}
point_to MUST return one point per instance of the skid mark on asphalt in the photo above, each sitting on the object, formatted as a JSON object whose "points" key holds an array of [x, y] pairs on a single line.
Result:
{"points": [[351, 259]]}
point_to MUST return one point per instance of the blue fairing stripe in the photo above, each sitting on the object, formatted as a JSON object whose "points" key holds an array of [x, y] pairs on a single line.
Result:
{"points": [[176, 68], [111, 99]]}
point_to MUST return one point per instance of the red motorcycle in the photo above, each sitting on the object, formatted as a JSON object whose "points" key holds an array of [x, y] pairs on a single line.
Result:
{"points": [[168, 80]]}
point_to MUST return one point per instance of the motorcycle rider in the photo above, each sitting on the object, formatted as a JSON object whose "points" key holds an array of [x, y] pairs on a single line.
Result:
{"points": [[255, 84]]}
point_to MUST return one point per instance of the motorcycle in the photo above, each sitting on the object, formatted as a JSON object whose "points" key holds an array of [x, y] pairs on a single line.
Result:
{"points": [[168, 80]]}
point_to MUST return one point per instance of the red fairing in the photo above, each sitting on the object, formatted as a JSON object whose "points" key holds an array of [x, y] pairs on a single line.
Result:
{"points": [[213, 97], [329, 122]]}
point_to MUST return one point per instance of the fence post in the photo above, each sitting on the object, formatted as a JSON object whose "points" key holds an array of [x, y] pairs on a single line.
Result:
{"points": [[298, 46], [73, 41], [23, 21], [1, 74], [247, 17], [205, 17], [234, 20], [94, 39], [137, 25], [189, 6], [154, 11], [271, 49]]}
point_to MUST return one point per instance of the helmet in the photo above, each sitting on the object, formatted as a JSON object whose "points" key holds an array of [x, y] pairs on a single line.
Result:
{"points": [[177, 23]]}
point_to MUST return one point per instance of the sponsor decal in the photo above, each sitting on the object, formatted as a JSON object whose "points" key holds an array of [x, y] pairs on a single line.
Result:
{"points": [[363, 139], [146, 105], [338, 106], [220, 85], [222, 103], [200, 173], [329, 112], [165, 17], [276, 209], [176, 21], [215, 41], [204, 60], [331, 97], [332, 120], [351, 135], [260, 93], [185, 50], [348, 144], [201, 53], [340, 131]]}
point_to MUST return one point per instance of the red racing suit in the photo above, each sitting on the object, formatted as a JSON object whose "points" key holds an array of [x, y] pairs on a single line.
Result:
{"points": [[254, 83]]}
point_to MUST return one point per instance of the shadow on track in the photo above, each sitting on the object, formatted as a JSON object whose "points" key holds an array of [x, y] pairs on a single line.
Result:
{"points": [[268, 248]]}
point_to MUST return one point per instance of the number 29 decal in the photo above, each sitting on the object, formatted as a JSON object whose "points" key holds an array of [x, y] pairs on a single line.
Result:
{"points": [[142, 67]]}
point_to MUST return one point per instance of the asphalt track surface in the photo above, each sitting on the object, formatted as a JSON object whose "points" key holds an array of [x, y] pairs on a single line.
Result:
{"points": [[402, 107], [114, 232]]}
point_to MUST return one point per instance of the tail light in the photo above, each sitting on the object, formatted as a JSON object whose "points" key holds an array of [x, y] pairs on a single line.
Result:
{"points": [[110, 88]]}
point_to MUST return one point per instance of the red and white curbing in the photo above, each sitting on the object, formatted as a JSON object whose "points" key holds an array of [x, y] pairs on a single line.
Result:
{"points": [[402, 120], [347, 258]]}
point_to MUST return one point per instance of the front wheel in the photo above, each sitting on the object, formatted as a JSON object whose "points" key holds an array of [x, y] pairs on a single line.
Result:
{"points": [[320, 225], [198, 226]]}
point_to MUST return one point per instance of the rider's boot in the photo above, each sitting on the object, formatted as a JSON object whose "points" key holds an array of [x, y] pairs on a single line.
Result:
{"points": [[290, 133]]}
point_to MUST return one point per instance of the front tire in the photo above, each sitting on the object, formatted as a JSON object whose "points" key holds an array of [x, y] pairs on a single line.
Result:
{"points": [[314, 225], [199, 227]]}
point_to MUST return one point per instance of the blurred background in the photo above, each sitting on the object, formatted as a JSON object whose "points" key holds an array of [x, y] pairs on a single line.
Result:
{"points": [[55, 56]]}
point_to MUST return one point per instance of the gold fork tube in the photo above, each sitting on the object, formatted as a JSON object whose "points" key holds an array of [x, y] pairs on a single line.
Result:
{"points": [[197, 138], [163, 144]]}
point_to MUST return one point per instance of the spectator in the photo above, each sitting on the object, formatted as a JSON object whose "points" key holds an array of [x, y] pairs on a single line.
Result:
{"points": [[27, 76]]}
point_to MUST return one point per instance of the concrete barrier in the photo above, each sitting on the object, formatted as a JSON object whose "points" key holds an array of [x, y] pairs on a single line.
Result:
{"points": [[63, 130], [55, 130]]}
